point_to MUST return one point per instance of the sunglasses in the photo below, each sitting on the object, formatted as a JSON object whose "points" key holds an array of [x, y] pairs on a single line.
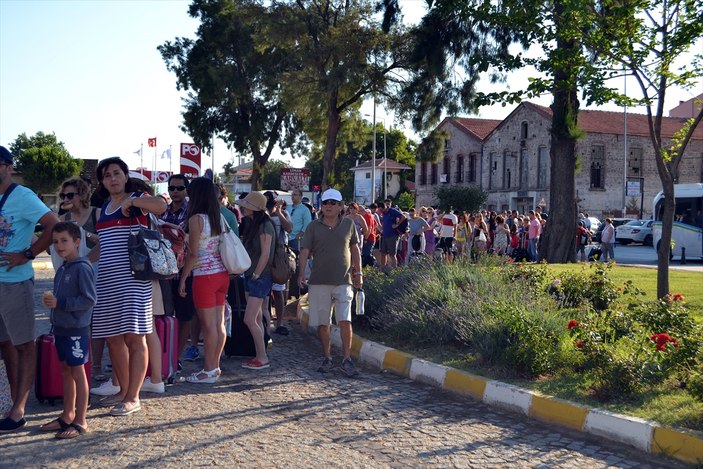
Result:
{"points": [[176, 188], [331, 202], [67, 195]]}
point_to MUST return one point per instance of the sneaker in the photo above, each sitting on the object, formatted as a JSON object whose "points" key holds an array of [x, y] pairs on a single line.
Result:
{"points": [[255, 364], [148, 386], [326, 366], [191, 354], [105, 389], [348, 368], [8, 425]]}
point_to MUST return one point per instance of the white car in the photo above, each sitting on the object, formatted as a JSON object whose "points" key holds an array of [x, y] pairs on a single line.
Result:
{"points": [[595, 223], [637, 231]]}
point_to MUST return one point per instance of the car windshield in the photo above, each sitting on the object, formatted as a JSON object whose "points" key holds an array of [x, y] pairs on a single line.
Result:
{"points": [[635, 223]]}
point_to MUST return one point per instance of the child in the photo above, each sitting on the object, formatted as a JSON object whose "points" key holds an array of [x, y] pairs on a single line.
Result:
{"points": [[71, 306]]}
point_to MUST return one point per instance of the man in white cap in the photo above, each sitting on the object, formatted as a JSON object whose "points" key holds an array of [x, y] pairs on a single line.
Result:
{"points": [[333, 242]]}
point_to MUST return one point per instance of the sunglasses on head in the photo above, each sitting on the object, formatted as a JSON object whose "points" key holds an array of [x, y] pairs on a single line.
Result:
{"points": [[330, 202], [176, 188], [67, 195]]}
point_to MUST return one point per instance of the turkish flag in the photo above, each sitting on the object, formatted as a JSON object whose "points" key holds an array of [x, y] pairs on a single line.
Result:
{"points": [[152, 142]]}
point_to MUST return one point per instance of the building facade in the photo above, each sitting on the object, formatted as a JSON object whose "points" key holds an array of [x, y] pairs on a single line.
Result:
{"points": [[514, 166]]}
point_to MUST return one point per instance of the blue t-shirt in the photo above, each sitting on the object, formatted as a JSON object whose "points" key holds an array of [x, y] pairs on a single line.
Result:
{"points": [[19, 215], [390, 218]]}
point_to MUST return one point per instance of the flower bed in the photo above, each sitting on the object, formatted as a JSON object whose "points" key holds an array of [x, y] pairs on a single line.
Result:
{"points": [[520, 322]]}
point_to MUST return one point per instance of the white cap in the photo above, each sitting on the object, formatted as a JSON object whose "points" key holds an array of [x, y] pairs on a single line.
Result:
{"points": [[331, 194]]}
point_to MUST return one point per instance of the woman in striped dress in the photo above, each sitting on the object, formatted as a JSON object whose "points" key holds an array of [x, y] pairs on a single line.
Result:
{"points": [[123, 313]]}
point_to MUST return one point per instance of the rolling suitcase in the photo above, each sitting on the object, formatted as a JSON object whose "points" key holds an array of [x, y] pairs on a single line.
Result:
{"points": [[48, 384], [166, 328], [595, 254], [520, 255], [241, 343]]}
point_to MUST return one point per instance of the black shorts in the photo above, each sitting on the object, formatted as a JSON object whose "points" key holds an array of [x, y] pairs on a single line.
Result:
{"points": [[185, 309], [446, 244]]}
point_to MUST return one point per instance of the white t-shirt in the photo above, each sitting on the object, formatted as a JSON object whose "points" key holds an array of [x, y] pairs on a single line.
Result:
{"points": [[449, 221]]}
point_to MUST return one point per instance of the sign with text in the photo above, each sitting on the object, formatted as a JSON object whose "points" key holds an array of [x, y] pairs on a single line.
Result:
{"points": [[295, 178], [190, 160], [633, 188]]}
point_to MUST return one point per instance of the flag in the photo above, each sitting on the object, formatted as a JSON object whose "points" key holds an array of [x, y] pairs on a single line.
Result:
{"points": [[152, 142], [166, 154], [138, 152]]}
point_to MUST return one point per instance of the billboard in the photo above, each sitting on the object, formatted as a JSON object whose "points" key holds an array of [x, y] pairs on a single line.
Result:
{"points": [[190, 160], [295, 178]]}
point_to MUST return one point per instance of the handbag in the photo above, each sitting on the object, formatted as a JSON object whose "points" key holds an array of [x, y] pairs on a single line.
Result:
{"points": [[234, 256], [150, 255], [283, 263]]}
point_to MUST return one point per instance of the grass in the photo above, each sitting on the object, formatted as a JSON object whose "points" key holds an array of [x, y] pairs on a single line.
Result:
{"points": [[665, 403]]}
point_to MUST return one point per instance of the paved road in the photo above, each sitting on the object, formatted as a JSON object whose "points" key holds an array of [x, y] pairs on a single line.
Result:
{"points": [[646, 256], [290, 416]]}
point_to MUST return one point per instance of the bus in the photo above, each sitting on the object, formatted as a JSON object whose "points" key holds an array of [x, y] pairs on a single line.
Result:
{"points": [[687, 232]]}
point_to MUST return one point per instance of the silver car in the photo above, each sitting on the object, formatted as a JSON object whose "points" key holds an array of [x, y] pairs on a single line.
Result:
{"points": [[635, 231]]}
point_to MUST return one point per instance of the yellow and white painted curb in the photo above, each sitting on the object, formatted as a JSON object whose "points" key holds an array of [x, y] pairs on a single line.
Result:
{"points": [[645, 435]]}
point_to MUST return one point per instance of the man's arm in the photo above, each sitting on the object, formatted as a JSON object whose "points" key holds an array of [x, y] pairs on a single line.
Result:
{"points": [[13, 259], [357, 279], [303, 260]]}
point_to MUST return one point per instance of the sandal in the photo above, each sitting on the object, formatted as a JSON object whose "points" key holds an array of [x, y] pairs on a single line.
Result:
{"points": [[73, 430], [208, 377], [121, 409], [57, 424]]}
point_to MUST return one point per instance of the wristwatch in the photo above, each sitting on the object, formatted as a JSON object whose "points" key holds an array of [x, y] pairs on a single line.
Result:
{"points": [[28, 254]]}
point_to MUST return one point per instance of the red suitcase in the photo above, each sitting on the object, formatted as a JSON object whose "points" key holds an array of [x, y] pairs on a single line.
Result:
{"points": [[167, 329], [48, 384]]}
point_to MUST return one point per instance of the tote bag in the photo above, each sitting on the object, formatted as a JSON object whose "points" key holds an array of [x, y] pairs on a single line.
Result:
{"points": [[234, 256]]}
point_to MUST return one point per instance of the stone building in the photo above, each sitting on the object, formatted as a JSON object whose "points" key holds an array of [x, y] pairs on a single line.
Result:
{"points": [[510, 161]]}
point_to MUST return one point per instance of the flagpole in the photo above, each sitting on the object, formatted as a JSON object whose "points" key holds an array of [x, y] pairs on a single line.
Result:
{"points": [[153, 169], [170, 158], [141, 155]]}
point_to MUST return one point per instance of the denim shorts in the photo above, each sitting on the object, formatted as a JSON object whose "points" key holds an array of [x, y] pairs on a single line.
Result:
{"points": [[259, 288], [72, 349]]}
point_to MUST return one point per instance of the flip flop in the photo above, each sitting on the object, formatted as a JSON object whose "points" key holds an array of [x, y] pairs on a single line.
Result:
{"points": [[121, 409], [72, 431], [57, 424]]}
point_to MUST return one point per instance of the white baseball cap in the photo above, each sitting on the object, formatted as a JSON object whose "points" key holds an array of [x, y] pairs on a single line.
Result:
{"points": [[331, 194]]}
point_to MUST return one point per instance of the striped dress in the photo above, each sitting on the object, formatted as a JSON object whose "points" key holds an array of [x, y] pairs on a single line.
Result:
{"points": [[124, 304]]}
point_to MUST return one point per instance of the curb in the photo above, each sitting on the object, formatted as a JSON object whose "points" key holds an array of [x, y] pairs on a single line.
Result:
{"points": [[644, 435]]}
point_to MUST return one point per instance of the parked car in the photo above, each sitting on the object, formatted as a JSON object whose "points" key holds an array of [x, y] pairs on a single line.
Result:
{"points": [[616, 222], [595, 224], [637, 231]]}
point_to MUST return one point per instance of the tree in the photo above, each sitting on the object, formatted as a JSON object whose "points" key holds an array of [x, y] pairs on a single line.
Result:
{"points": [[233, 73], [43, 161], [649, 39], [467, 199], [344, 56], [272, 174]]}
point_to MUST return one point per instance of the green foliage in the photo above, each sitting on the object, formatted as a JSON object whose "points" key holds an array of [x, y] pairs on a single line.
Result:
{"points": [[595, 288], [431, 147], [43, 161], [272, 174], [467, 199], [405, 200]]}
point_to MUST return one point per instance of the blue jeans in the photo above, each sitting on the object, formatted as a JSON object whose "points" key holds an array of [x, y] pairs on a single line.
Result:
{"points": [[367, 254], [608, 251], [532, 248]]}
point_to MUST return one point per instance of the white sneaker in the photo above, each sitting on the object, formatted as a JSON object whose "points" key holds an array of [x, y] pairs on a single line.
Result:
{"points": [[105, 389], [148, 386]]}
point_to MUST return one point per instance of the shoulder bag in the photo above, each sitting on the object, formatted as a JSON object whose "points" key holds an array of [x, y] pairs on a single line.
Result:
{"points": [[150, 255], [234, 256], [283, 263]]}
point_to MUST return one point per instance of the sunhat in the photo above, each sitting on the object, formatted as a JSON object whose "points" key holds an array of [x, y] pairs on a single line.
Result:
{"points": [[255, 201]]}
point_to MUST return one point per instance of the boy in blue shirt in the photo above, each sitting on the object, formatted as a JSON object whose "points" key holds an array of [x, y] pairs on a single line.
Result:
{"points": [[71, 306]]}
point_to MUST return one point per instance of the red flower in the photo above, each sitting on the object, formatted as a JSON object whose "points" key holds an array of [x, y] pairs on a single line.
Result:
{"points": [[678, 297], [573, 323], [619, 289], [662, 339], [579, 344]]}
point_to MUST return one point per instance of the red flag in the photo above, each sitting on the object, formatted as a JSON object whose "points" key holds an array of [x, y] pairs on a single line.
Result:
{"points": [[152, 142]]}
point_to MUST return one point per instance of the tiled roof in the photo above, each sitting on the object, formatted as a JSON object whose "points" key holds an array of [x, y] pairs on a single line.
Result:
{"points": [[607, 122], [478, 128], [390, 164]]}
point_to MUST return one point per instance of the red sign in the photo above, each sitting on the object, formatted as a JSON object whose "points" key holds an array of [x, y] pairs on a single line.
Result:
{"points": [[190, 160], [295, 178], [152, 142]]}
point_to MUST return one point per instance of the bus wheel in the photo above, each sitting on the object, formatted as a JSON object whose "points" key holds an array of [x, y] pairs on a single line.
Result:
{"points": [[671, 254]]}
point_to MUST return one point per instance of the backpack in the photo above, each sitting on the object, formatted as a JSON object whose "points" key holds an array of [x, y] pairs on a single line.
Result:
{"points": [[283, 263], [584, 237]]}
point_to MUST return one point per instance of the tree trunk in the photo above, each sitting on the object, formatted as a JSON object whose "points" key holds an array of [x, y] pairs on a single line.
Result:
{"points": [[333, 126], [257, 168], [558, 243], [667, 219]]}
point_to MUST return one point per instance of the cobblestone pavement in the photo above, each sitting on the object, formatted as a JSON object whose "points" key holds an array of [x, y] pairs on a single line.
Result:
{"points": [[291, 416]]}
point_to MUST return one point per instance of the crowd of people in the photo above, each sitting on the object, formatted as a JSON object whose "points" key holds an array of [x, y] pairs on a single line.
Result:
{"points": [[111, 308]]}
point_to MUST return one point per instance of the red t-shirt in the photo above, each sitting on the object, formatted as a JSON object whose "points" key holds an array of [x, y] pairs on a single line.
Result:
{"points": [[371, 222]]}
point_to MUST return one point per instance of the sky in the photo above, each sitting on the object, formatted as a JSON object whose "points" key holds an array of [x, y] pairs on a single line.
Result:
{"points": [[89, 71]]}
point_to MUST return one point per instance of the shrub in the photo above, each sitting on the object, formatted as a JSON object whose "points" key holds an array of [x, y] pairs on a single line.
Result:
{"points": [[578, 289]]}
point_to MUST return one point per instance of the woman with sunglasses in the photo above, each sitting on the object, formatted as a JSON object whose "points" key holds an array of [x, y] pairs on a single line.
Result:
{"points": [[123, 313]]}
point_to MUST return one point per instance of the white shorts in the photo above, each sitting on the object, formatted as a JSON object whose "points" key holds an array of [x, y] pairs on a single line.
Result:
{"points": [[321, 299], [278, 287]]}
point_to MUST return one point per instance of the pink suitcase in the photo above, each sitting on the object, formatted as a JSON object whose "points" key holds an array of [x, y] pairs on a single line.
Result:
{"points": [[48, 384], [167, 330]]}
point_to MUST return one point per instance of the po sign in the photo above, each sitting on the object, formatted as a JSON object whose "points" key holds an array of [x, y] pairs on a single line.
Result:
{"points": [[190, 160]]}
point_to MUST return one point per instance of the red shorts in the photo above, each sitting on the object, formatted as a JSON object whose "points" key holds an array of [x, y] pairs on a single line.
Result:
{"points": [[210, 290]]}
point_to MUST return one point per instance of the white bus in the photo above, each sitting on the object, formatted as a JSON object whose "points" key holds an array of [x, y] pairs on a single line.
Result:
{"points": [[687, 231]]}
